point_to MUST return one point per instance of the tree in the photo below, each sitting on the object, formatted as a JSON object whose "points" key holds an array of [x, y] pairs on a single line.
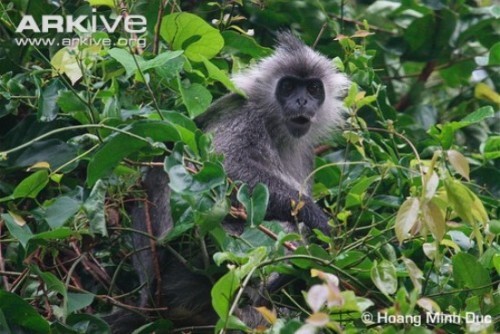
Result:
{"points": [[411, 183]]}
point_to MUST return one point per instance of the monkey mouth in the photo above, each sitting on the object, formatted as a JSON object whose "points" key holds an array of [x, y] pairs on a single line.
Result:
{"points": [[299, 125], [300, 120]]}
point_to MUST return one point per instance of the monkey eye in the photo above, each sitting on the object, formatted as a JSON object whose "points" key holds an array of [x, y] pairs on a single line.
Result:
{"points": [[314, 88], [287, 87]]}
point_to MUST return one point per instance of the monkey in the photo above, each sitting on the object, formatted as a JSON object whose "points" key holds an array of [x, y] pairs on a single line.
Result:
{"points": [[292, 101]]}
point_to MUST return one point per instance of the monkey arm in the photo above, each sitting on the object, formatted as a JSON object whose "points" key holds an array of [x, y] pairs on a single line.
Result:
{"points": [[281, 196]]}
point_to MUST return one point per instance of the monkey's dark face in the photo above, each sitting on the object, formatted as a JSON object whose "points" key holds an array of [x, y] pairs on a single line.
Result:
{"points": [[299, 99]]}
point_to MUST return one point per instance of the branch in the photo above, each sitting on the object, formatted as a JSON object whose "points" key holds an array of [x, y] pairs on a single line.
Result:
{"points": [[156, 41]]}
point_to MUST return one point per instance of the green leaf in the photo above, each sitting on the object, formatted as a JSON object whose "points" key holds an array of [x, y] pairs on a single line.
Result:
{"points": [[71, 104], [491, 148], [384, 277], [222, 293], [126, 59], [255, 257], [406, 218], [358, 191], [78, 301], [60, 233], [61, 210], [21, 233], [88, 324], [94, 207], [494, 226], [494, 58], [119, 145], [188, 32], [478, 116], [53, 151], [30, 186], [255, 204], [211, 219], [196, 98], [458, 74], [21, 314], [469, 273], [51, 281], [465, 203], [215, 73], [244, 44], [448, 130], [47, 106], [182, 181]]}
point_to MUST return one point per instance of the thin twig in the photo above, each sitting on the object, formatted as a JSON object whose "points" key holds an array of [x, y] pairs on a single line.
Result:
{"points": [[154, 253], [371, 27], [321, 32]]}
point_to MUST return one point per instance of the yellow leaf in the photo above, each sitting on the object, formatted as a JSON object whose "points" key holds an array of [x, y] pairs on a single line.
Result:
{"points": [[97, 3], [269, 315], [484, 92], [360, 96], [65, 62], [39, 165], [434, 220], [340, 37], [319, 319], [406, 218], [460, 163], [428, 305], [451, 244], [416, 275], [19, 220], [362, 33]]}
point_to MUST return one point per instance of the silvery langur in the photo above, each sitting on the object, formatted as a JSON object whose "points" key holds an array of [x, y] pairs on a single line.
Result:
{"points": [[293, 101]]}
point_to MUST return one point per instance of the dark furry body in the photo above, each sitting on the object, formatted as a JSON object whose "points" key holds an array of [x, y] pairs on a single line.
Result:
{"points": [[258, 148]]}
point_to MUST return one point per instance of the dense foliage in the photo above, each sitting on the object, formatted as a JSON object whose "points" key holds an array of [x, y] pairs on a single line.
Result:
{"points": [[412, 183]]}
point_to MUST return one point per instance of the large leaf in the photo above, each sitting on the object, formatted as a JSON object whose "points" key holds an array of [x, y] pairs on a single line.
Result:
{"points": [[120, 145], [94, 207], [30, 186], [406, 218], [255, 204], [21, 233], [132, 62], [61, 210], [20, 313], [188, 32], [244, 44], [196, 98], [469, 273], [384, 277], [184, 182], [47, 106], [434, 219], [222, 293], [465, 203]]}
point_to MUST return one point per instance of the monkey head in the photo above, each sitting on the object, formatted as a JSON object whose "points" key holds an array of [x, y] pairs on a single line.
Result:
{"points": [[299, 99], [296, 89]]}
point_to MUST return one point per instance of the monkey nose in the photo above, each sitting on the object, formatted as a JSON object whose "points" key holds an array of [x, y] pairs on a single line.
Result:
{"points": [[301, 102]]}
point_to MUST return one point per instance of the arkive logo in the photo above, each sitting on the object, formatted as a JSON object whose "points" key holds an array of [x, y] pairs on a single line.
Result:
{"points": [[83, 23]]}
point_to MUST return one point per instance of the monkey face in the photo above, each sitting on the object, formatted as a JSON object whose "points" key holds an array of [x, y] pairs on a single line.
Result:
{"points": [[299, 99]]}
